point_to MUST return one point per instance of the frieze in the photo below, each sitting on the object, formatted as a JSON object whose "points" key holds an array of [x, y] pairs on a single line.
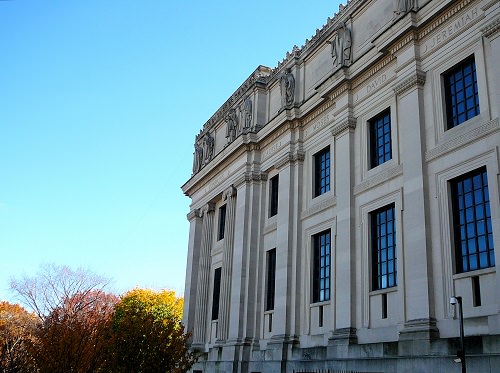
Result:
{"points": [[450, 29], [272, 149], [379, 178], [374, 84], [322, 122], [216, 181], [466, 138]]}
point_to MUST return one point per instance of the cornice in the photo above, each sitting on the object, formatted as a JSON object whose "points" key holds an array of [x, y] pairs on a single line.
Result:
{"points": [[492, 28], [409, 37], [317, 207], [463, 139], [417, 79], [344, 87], [379, 178]]}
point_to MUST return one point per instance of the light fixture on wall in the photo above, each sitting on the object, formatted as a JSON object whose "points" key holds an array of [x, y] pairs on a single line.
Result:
{"points": [[454, 300]]}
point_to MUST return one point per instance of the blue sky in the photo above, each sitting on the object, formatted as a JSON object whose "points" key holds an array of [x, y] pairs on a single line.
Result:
{"points": [[100, 102]]}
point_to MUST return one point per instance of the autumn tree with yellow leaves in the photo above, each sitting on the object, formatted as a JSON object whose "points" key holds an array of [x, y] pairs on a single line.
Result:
{"points": [[148, 334]]}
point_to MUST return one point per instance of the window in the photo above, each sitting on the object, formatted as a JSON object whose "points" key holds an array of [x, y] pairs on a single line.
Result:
{"points": [[271, 279], [216, 294], [321, 267], [273, 196], [383, 241], [380, 139], [473, 232], [222, 222], [461, 94], [322, 172]]}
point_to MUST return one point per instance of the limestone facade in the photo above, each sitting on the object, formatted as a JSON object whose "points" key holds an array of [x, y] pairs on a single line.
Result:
{"points": [[341, 198]]}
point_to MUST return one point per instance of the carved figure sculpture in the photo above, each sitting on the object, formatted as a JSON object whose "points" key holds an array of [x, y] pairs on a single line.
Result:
{"points": [[247, 113], [232, 125], [401, 7], [198, 157], [208, 145], [287, 86], [341, 47]]}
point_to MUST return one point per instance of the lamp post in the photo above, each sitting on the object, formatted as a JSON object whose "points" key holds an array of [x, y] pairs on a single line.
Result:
{"points": [[461, 354]]}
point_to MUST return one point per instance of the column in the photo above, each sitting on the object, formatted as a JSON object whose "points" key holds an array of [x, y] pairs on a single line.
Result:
{"points": [[342, 237], [419, 323], [200, 325], [227, 263], [195, 227]]}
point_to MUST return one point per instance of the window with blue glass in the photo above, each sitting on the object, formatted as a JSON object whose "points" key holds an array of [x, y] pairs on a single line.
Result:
{"points": [[321, 267], [472, 227], [462, 98], [322, 172], [380, 139], [383, 246]]}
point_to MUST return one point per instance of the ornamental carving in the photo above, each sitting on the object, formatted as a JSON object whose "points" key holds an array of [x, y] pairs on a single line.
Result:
{"points": [[203, 151], [247, 114], [287, 87], [232, 125], [401, 7], [342, 47]]}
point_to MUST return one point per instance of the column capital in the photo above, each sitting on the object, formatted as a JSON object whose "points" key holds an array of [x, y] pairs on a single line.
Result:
{"points": [[208, 208], [415, 80], [229, 192], [195, 213]]}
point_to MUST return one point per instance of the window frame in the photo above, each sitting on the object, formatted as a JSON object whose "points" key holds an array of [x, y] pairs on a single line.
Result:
{"points": [[321, 183], [451, 120], [270, 280], [380, 265], [216, 293], [221, 226], [273, 195], [373, 139], [459, 243], [321, 273]]}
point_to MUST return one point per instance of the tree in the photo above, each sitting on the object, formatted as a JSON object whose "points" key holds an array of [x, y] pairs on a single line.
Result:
{"points": [[16, 331], [54, 286], [75, 318], [148, 334]]}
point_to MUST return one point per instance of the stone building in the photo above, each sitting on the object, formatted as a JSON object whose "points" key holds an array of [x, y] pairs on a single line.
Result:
{"points": [[340, 199]]}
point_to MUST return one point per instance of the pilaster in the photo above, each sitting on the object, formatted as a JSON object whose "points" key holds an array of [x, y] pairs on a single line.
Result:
{"points": [[227, 263], [200, 326]]}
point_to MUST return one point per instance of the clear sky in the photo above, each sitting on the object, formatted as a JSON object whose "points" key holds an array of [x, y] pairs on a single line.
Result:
{"points": [[100, 102]]}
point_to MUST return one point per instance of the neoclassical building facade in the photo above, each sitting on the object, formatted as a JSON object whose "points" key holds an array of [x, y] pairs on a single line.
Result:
{"points": [[340, 199]]}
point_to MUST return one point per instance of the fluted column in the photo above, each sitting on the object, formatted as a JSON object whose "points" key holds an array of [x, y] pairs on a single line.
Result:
{"points": [[200, 324], [227, 263]]}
